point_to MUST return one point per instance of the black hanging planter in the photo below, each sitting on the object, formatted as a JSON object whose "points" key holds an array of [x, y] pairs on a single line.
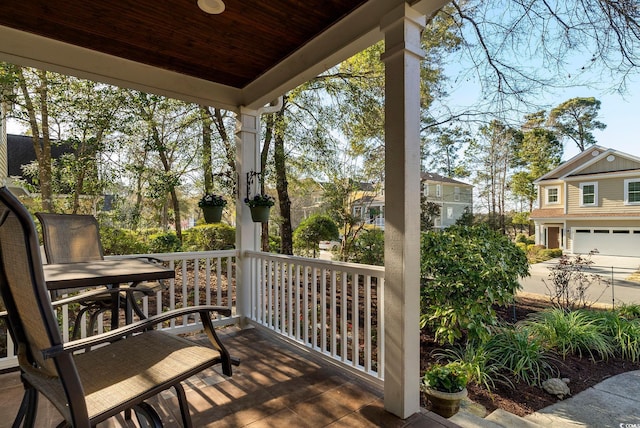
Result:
{"points": [[260, 213], [212, 214]]}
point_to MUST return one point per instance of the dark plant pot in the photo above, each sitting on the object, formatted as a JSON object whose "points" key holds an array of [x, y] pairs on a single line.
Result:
{"points": [[212, 214], [260, 214], [445, 404]]}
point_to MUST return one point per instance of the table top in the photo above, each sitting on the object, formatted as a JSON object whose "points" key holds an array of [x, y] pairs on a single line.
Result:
{"points": [[103, 272]]}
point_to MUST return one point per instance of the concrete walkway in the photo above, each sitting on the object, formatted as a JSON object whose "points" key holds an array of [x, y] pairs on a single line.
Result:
{"points": [[614, 403]]}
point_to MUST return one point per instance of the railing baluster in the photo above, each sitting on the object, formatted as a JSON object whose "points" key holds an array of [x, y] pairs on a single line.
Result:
{"points": [[305, 314], [367, 323], [323, 310], [355, 321], [344, 339]]}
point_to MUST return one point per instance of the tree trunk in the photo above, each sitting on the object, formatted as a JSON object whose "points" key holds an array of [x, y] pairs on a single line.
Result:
{"points": [[286, 232], [42, 147], [269, 128], [207, 170]]}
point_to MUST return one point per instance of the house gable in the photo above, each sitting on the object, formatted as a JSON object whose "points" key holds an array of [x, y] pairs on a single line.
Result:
{"points": [[607, 162], [572, 164]]}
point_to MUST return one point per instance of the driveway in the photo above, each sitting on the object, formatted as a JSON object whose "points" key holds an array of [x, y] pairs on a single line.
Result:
{"points": [[616, 269]]}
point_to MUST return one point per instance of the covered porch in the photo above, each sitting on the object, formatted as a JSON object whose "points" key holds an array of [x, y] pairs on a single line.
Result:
{"points": [[279, 294], [276, 385]]}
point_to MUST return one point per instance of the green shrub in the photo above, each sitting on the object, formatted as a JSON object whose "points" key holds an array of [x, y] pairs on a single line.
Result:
{"points": [[451, 377], [368, 248], [570, 332], [312, 230], [209, 237], [549, 253], [521, 354], [121, 241], [524, 239], [464, 272], [165, 243]]}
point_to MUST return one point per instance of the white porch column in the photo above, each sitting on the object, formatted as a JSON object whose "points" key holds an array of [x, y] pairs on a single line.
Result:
{"points": [[247, 232], [402, 28]]}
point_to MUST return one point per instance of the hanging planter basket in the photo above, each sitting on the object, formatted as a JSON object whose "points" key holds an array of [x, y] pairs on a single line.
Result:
{"points": [[212, 214], [260, 213]]}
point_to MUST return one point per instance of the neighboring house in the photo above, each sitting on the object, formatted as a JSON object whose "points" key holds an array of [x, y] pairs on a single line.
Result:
{"points": [[19, 152], [591, 202], [451, 195], [370, 208]]}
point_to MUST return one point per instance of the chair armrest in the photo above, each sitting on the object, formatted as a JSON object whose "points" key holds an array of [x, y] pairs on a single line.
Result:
{"points": [[135, 327], [96, 293]]}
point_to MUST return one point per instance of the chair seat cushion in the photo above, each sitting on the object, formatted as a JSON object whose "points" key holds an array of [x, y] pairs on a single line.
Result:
{"points": [[134, 368]]}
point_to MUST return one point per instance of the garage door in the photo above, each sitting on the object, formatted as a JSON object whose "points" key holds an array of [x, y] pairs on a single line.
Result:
{"points": [[608, 241]]}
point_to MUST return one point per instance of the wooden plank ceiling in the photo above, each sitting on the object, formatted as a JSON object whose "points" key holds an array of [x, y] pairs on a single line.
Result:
{"points": [[233, 48]]}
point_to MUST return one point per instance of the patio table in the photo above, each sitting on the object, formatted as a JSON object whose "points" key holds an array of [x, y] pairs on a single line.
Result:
{"points": [[110, 272]]}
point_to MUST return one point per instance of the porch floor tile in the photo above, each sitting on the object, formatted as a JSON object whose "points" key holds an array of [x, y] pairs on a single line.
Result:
{"points": [[275, 385]]}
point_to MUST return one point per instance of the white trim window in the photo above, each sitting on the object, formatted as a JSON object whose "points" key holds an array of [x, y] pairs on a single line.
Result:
{"points": [[632, 191], [438, 190], [425, 189], [589, 194], [456, 193], [553, 195]]}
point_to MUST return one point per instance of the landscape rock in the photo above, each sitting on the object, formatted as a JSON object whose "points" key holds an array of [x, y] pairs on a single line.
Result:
{"points": [[557, 387]]}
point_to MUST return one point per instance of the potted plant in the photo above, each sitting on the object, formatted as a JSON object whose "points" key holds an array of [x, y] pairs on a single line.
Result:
{"points": [[212, 206], [445, 385], [260, 205]]}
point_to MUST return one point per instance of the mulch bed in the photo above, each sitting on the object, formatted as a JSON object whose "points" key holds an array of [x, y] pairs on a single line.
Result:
{"points": [[524, 399]]}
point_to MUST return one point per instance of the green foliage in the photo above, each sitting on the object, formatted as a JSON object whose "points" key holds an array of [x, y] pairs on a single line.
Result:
{"points": [[165, 243], [478, 360], [429, 212], [575, 119], [623, 332], [521, 354], [629, 311], [117, 241], [212, 200], [312, 230], [464, 272], [538, 253], [550, 253], [466, 219], [368, 248], [525, 239], [570, 332], [451, 377], [209, 237], [260, 200]]}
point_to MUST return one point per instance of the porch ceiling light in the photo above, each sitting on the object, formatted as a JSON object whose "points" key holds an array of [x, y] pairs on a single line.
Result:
{"points": [[212, 7]]}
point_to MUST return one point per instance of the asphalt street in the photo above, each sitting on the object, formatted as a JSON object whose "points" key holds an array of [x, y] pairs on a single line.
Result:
{"points": [[615, 287]]}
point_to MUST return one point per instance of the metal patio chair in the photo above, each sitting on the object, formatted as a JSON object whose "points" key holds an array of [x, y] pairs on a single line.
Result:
{"points": [[132, 364], [75, 238]]}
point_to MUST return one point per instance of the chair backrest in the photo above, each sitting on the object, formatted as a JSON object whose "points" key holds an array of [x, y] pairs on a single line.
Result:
{"points": [[23, 288], [70, 238]]}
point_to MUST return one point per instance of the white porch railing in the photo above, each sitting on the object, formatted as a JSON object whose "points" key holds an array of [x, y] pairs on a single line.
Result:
{"points": [[333, 308], [201, 278]]}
